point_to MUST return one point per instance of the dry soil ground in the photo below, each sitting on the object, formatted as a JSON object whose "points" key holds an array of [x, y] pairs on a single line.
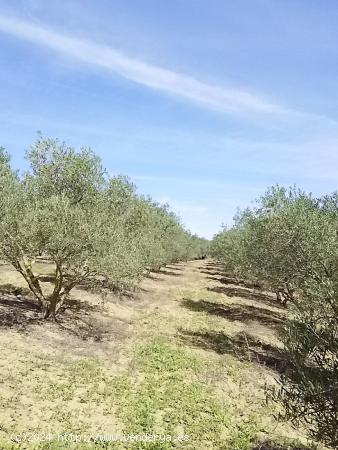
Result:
{"points": [[186, 358]]}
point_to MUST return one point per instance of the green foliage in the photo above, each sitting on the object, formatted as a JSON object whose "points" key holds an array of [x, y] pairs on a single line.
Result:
{"points": [[309, 388], [161, 394], [160, 356], [94, 228], [288, 241], [168, 400], [58, 170]]}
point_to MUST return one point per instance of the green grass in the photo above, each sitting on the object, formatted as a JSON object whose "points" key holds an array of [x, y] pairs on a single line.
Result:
{"points": [[168, 386], [165, 396], [158, 355], [163, 393], [160, 395]]}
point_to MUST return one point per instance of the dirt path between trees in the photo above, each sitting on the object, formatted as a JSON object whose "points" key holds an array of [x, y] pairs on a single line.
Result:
{"points": [[189, 321]]}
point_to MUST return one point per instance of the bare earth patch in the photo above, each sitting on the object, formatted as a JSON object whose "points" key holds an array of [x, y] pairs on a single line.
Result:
{"points": [[189, 353]]}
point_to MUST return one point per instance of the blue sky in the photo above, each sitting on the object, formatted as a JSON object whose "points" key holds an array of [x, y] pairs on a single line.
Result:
{"points": [[202, 103]]}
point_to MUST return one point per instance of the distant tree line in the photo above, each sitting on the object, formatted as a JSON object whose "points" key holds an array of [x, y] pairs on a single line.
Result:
{"points": [[288, 243], [95, 229]]}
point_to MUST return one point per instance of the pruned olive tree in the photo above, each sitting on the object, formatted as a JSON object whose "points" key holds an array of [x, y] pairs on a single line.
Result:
{"points": [[308, 389], [55, 210], [199, 248], [227, 247], [283, 241], [93, 229], [59, 209], [289, 240]]}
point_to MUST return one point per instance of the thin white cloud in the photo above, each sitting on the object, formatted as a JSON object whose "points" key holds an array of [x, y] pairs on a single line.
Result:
{"points": [[174, 83]]}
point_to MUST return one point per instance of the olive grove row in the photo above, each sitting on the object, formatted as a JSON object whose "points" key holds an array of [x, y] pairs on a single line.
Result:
{"points": [[94, 228], [288, 244]]}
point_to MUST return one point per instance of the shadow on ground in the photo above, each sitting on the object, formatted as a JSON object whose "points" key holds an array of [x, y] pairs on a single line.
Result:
{"points": [[226, 279], [214, 273], [76, 317], [239, 282], [241, 345], [17, 312], [167, 272], [173, 267], [170, 273], [212, 265], [235, 312], [237, 291], [10, 289]]}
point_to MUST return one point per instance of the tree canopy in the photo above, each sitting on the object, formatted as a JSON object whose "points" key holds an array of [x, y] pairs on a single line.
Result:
{"points": [[95, 228], [288, 242]]}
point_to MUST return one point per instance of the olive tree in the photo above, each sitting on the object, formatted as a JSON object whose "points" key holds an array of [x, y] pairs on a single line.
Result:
{"points": [[283, 241], [66, 209], [227, 247], [56, 210], [93, 229], [199, 248], [309, 387], [289, 241], [308, 390]]}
